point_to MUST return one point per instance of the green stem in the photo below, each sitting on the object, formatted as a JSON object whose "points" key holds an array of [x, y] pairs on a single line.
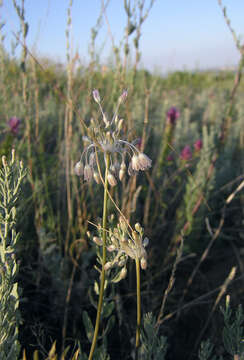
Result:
{"points": [[102, 278], [138, 296]]}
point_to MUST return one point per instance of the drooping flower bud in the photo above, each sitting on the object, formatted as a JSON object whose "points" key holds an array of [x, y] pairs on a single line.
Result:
{"points": [[79, 168], [88, 173], [111, 179], [96, 177], [145, 161], [143, 262]]}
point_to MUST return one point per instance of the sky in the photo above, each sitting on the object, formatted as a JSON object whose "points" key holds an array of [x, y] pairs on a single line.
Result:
{"points": [[177, 35]]}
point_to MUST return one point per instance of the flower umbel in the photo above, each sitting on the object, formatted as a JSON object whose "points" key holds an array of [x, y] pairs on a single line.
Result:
{"points": [[106, 137], [124, 242]]}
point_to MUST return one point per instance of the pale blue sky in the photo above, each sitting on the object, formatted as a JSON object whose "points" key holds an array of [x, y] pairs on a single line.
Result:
{"points": [[178, 34]]}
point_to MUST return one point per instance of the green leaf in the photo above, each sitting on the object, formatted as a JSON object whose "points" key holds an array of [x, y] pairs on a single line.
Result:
{"points": [[88, 325]]}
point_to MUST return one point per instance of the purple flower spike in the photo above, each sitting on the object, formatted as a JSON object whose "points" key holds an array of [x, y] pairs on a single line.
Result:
{"points": [[14, 124], [198, 145], [170, 157], [186, 153], [172, 115]]}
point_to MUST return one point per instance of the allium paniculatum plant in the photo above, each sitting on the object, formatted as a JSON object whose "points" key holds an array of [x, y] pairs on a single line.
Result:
{"points": [[106, 138], [120, 156]]}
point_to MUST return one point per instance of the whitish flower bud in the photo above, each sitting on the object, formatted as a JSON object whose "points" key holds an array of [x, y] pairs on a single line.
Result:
{"points": [[145, 161], [21, 164], [4, 160], [145, 242], [108, 265], [96, 96], [123, 273], [131, 171], [121, 174], [135, 163], [92, 158], [143, 262], [97, 240], [96, 177], [88, 173], [138, 228], [111, 248], [111, 179], [79, 168]]}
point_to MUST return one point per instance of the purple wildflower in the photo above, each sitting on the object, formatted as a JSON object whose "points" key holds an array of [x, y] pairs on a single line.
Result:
{"points": [[170, 157], [14, 124], [198, 145], [186, 153], [172, 115]]}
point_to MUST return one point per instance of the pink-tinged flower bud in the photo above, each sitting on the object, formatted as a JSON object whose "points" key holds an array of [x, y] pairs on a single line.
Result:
{"points": [[111, 248], [96, 177], [143, 262], [186, 153], [79, 168], [172, 115], [123, 273], [96, 96], [123, 96], [198, 145], [97, 240], [145, 161], [14, 124], [122, 170], [135, 162], [111, 179], [108, 265], [88, 173]]}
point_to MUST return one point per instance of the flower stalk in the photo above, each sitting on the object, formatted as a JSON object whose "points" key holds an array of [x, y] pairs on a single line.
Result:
{"points": [[104, 252], [138, 297]]}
